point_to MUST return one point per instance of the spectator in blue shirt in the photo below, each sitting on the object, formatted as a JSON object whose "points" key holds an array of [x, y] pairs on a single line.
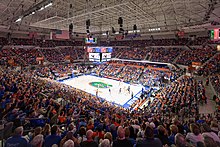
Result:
{"points": [[53, 138], [17, 140]]}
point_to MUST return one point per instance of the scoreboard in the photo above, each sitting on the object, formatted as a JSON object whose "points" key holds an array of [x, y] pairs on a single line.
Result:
{"points": [[99, 54], [106, 57], [99, 49], [94, 57], [215, 34], [90, 40]]}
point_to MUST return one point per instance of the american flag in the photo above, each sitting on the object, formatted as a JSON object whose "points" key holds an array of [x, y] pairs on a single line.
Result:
{"points": [[62, 34]]}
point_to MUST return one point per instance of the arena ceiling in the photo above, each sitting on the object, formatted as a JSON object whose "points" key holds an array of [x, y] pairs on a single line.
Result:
{"points": [[168, 15]]}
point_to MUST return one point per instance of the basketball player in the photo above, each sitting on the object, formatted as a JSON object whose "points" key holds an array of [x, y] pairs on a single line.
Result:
{"points": [[97, 92], [129, 89], [119, 90]]}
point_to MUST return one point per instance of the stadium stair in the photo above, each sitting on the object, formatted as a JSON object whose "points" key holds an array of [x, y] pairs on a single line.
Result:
{"points": [[61, 52], [119, 55], [103, 68], [205, 43], [147, 57], [174, 61], [143, 71], [208, 108], [45, 59], [187, 46]]}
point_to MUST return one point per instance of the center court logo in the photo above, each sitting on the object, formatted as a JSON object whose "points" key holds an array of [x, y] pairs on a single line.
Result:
{"points": [[100, 85]]}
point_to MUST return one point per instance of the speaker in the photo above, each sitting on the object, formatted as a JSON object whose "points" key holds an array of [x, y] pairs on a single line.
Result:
{"points": [[135, 27], [88, 22], [126, 32], [113, 30], [71, 27], [121, 30], [120, 20]]}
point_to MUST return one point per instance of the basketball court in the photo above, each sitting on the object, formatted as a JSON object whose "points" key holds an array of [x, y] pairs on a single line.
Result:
{"points": [[109, 89]]}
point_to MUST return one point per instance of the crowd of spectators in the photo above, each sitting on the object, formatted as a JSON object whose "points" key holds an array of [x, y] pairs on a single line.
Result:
{"points": [[3, 41], [29, 55], [4, 55], [211, 67], [158, 42], [130, 74], [41, 42], [152, 78], [112, 71], [98, 69], [196, 55], [57, 54], [7, 54], [81, 53], [58, 71], [69, 51], [42, 112], [31, 105], [53, 55], [182, 97], [199, 41], [136, 72], [117, 51], [132, 43], [166, 55], [134, 54]]}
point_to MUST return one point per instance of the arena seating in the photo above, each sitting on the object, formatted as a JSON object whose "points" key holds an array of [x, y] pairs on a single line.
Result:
{"points": [[134, 43], [130, 74], [134, 54], [196, 55], [69, 51], [166, 55], [39, 110], [112, 71], [53, 55], [54, 113], [211, 67], [152, 77], [29, 55]]}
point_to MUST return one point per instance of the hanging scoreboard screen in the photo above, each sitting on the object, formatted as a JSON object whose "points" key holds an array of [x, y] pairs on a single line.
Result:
{"points": [[99, 54], [100, 49], [215, 34], [106, 57], [94, 57], [90, 40]]}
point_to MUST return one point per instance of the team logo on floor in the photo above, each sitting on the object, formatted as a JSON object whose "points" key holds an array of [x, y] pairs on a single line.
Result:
{"points": [[100, 85]]}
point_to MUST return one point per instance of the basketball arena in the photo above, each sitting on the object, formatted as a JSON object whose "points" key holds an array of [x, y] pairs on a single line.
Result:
{"points": [[109, 73]]}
